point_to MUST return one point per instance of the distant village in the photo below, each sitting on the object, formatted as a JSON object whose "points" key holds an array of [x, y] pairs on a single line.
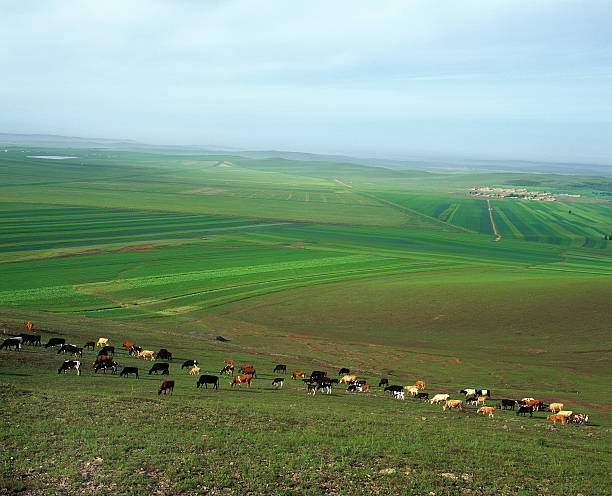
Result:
{"points": [[521, 193]]}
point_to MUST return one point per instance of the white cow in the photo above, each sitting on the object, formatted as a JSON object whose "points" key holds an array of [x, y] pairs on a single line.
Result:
{"points": [[439, 398]]}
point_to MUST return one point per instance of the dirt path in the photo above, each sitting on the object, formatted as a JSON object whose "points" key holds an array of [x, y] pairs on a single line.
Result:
{"points": [[493, 222], [343, 184]]}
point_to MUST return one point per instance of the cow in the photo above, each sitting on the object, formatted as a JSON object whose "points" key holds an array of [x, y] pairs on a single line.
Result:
{"points": [[384, 381], [107, 350], [524, 410], [365, 388], [486, 409], [555, 407], [348, 378], [453, 404], [227, 370], [399, 395], [128, 345], [12, 343], [248, 371], [228, 362], [146, 353], [506, 404], [351, 389], [163, 354], [556, 417], [412, 390], [68, 365], [70, 348], [102, 342], [420, 384], [278, 382], [90, 345], [422, 396], [468, 391], [394, 389], [31, 339], [134, 350], [194, 371], [189, 363], [280, 368], [157, 367], [318, 373], [312, 389], [29, 325], [129, 370], [239, 379], [344, 371], [166, 385], [567, 413], [439, 398], [536, 404], [484, 392], [578, 418], [471, 400], [102, 358], [55, 342], [325, 386], [108, 363], [298, 373], [208, 379], [481, 400]]}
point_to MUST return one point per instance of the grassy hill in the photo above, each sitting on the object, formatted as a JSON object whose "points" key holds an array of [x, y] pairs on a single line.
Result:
{"points": [[313, 264]]}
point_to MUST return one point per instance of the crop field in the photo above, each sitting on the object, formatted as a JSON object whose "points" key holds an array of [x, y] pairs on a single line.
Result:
{"points": [[315, 265]]}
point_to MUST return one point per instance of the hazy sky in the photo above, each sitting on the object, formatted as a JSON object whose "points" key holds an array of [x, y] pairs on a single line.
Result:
{"points": [[491, 79]]}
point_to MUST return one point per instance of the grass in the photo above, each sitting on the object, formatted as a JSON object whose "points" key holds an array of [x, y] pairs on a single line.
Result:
{"points": [[316, 265]]}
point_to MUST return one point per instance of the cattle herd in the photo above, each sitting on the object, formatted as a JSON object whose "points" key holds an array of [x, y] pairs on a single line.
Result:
{"points": [[317, 381]]}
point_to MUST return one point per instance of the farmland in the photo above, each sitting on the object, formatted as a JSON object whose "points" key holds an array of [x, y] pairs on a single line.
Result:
{"points": [[317, 265]]}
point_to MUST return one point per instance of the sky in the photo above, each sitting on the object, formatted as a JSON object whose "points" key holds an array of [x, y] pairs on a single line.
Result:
{"points": [[489, 79]]}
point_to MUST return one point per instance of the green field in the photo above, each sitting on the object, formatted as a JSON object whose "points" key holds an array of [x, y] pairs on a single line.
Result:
{"points": [[315, 265]]}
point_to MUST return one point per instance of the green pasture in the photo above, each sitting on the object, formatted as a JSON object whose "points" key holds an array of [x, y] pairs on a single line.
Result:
{"points": [[317, 265]]}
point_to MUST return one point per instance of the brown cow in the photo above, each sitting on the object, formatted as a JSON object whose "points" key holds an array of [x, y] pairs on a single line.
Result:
{"points": [[486, 409], [298, 373], [127, 345], [556, 417], [420, 384], [228, 362], [453, 404], [247, 370], [165, 387], [536, 404], [29, 325], [239, 379]]}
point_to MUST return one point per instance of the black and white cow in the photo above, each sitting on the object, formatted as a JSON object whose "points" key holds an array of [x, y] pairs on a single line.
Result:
{"points": [[69, 365], [189, 363], [278, 382], [70, 348]]}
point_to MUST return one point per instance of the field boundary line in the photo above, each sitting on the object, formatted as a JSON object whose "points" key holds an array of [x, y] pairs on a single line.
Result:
{"points": [[416, 212]]}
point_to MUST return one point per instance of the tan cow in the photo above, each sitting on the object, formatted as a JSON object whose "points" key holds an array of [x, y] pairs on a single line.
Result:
{"points": [[147, 353], [453, 404], [565, 413], [486, 409], [412, 390], [481, 400], [348, 378], [102, 342], [555, 407], [195, 370]]}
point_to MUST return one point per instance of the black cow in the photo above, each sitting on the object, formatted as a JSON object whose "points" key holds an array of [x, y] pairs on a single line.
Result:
{"points": [[523, 410], [383, 381], [344, 371], [394, 389], [422, 396], [280, 368], [505, 404], [189, 363], [164, 367], [32, 339], [55, 342], [70, 348], [107, 350], [351, 389], [206, 380], [163, 354], [109, 363], [129, 370], [12, 342], [68, 365], [317, 373]]}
